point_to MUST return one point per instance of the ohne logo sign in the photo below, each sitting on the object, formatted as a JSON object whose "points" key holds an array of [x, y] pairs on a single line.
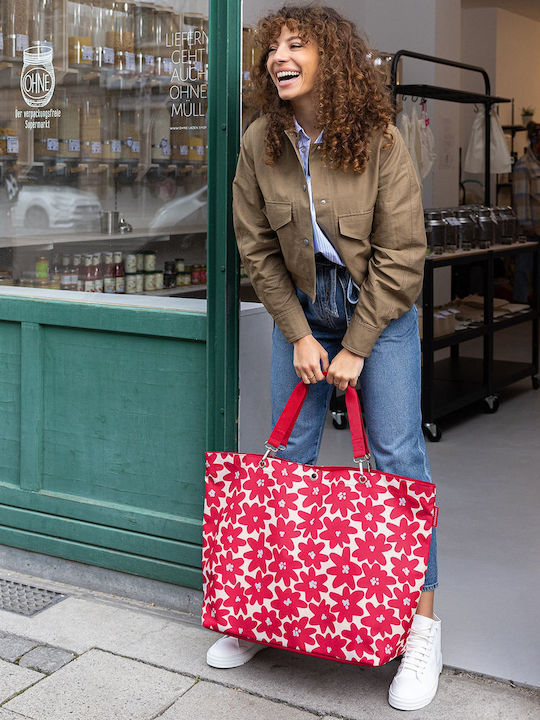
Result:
{"points": [[37, 76]]}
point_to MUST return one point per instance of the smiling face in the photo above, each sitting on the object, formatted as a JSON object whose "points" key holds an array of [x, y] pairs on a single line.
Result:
{"points": [[293, 65]]}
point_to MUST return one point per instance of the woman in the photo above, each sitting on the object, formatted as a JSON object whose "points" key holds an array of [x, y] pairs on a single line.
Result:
{"points": [[329, 223]]}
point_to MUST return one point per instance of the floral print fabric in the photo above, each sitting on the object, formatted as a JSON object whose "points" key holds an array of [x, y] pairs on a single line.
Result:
{"points": [[318, 560]]}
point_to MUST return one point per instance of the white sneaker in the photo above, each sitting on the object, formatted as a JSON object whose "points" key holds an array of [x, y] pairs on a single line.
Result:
{"points": [[417, 678], [229, 652]]}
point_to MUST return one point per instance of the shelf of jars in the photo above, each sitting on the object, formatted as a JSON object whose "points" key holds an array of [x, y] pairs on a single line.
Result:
{"points": [[119, 36], [112, 88], [107, 271]]}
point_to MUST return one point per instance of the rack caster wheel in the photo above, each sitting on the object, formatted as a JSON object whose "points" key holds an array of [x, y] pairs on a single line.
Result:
{"points": [[339, 421], [432, 432], [491, 404], [535, 382]]}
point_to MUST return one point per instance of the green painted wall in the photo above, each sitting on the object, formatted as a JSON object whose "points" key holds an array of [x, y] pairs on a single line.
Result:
{"points": [[106, 411], [10, 406], [102, 435]]}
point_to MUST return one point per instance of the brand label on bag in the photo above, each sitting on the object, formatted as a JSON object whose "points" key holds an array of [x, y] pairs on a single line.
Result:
{"points": [[435, 516]]}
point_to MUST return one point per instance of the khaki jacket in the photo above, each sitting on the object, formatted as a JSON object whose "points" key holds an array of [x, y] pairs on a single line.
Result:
{"points": [[374, 219]]}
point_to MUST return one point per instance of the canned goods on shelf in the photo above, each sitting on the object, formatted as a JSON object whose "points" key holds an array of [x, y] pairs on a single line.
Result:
{"points": [[130, 263], [149, 281], [149, 261], [131, 283]]}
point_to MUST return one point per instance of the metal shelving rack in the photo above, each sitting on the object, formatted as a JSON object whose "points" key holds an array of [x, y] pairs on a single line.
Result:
{"points": [[458, 381]]}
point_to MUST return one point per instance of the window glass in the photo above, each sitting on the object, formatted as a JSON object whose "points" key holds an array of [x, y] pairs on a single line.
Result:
{"points": [[104, 145]]}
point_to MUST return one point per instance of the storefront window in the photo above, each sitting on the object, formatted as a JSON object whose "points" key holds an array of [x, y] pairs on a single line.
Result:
{"points": [[104, 145]]}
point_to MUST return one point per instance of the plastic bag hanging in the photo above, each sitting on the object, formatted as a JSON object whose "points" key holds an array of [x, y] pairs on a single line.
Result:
{"points": [[414, 141], [427, 142], [500, 161]]}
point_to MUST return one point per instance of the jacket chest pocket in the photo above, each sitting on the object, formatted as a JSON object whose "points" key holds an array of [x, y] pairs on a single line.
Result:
{"points": [[357, 226], [279, 214]]}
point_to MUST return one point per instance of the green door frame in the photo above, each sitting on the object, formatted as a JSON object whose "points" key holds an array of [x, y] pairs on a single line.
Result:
{"points": [[225, 33]]}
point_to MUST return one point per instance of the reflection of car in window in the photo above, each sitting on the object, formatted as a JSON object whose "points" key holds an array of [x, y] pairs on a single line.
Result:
{"points": [[188, 210], [39, 207]]}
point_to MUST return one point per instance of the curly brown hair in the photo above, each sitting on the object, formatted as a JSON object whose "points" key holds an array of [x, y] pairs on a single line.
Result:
{"points": [[353, 100]]}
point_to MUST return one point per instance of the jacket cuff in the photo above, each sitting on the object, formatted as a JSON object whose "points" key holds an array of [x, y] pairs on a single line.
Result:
{"points": [[293, 325], [360, 338]]}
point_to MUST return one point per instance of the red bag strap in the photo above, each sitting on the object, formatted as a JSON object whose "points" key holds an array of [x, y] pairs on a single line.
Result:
{"points": [[282, 429]]}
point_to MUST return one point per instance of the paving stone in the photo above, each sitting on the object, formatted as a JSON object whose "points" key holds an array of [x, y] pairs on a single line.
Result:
{"points": [[13, 646], [13, 679], [215, 702], [79, 624], [330, 688], [8, 715], [102, 686], [46, 659]]}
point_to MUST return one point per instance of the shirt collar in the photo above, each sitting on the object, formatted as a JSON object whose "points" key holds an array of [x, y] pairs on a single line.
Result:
{"points": [[302, 135]]}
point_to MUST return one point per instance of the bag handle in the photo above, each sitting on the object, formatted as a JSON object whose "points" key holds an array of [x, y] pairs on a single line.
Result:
{"points": [[282, 429]]}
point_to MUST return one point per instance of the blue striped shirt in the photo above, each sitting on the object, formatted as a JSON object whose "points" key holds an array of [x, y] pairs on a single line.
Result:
{"points": [[321, 243]]}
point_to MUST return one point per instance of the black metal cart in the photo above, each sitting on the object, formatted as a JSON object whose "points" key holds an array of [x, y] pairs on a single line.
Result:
{"points": [[458, 381]]}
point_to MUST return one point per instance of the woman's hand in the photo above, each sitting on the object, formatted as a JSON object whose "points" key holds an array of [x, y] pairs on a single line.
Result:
{"points": [[345, 369], [308, 356]]}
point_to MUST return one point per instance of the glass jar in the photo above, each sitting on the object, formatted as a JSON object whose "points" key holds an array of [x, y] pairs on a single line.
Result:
{"points": [[508, 224], [46, 141], [485, 228], [16, 21], [110, 138], [42, 22], [80, 48], [167, 23], [465, 230], [102, 19], [91, 148], [435, 232], [161, 135], [149, 261], [69, 128], [145, 38], [121, 38], [452, 236], [129, 124], [195, 35]]}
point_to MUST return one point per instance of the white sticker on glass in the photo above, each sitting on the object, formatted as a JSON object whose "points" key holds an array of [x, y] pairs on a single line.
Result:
{"points": [[108, 56], [21, 43]]}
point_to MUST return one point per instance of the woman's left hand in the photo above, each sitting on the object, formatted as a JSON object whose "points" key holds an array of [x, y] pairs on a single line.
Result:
{"points": [[345, 369]]}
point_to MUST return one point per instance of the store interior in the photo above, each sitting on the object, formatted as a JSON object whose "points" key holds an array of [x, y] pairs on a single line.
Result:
{"points": [[105, 194], [104, 180], [486, 462]]}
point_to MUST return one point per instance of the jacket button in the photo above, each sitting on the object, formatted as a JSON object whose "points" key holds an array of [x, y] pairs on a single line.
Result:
{"points": [[305, 188], [323, 202], [306, 241]]}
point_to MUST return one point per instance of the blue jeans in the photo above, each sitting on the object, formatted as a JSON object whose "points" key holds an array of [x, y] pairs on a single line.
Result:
{"points": [[390, 384]]}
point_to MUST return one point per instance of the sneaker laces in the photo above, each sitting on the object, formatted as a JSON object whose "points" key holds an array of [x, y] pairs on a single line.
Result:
{"points": [[417, 651]]}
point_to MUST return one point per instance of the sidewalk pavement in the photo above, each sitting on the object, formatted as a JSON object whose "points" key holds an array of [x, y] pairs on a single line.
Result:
{"points": [[93, 656]]}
